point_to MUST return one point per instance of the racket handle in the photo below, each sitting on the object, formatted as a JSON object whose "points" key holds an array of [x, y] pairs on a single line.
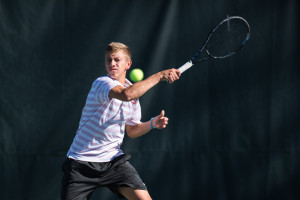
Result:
{"points": [[185, 67]]}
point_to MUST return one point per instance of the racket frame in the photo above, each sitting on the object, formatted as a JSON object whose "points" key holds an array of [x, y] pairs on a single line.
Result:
{"points": [[193, 61]]}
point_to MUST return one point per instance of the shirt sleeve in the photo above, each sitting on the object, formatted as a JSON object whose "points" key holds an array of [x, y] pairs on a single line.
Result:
{"points": [[102, 86], [136, 115]]}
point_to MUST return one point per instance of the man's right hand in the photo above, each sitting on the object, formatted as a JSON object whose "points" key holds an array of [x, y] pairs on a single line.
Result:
{"points": [[170, 75]]}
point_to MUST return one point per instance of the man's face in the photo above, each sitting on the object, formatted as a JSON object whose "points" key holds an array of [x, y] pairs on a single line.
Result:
{"points": [[116, 64]]}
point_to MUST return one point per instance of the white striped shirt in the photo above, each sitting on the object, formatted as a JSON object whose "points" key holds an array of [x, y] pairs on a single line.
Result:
{"points": [[102, 125]]}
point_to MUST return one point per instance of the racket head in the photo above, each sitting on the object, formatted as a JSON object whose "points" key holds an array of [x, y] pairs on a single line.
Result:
{"points": [[228, 37]]}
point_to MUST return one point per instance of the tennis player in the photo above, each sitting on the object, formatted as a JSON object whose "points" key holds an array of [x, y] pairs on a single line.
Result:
{"points": [[95, 157]]}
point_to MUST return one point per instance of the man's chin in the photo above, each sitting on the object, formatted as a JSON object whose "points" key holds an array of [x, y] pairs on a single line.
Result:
{"points": [[112, 75]]}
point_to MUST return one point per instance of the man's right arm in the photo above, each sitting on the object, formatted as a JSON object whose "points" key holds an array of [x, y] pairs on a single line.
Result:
{"points": [[138, 89]]}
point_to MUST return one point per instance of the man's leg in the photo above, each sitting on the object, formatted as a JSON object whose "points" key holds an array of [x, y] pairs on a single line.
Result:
{"points": [[134, 194], [74, 184], [77, 191]]}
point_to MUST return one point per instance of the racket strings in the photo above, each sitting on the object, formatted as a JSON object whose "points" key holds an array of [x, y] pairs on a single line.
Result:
{"points": [[227, 38]]}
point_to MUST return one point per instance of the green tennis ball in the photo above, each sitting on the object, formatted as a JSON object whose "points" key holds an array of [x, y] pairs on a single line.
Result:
{"points": [[136, 75]]}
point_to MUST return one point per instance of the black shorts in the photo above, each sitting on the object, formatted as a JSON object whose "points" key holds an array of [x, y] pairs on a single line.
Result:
{"points": [[82, 178]]}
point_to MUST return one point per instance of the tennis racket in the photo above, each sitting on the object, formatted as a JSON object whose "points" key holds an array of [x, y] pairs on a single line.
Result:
{"points": [[225, 40]]}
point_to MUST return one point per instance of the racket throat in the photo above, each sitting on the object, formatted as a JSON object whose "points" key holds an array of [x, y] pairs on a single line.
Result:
{"points": [[199, 57]]}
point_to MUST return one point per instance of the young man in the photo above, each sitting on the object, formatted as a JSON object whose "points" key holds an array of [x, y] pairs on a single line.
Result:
{"points": [[95, 158]]}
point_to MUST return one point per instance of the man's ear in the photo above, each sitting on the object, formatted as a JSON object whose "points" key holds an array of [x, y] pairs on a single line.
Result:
{"points": [[129, 63]]}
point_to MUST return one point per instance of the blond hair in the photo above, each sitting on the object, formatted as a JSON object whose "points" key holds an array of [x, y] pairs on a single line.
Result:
{"points": [[117, 46]]}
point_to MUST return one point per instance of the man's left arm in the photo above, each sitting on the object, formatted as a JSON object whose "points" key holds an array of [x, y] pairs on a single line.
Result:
{"points": [[159, 122]]}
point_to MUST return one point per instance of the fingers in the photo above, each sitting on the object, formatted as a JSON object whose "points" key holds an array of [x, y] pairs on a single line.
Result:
{"points": [[161, 121], [164, 122], [162, 114], [173, 75]]}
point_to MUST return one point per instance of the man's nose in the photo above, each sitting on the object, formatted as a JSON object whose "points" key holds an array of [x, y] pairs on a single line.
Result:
{"points": [[112, 63]]}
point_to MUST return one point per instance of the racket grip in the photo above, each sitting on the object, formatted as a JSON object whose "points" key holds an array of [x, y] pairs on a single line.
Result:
{"points": [[185, 67]]}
